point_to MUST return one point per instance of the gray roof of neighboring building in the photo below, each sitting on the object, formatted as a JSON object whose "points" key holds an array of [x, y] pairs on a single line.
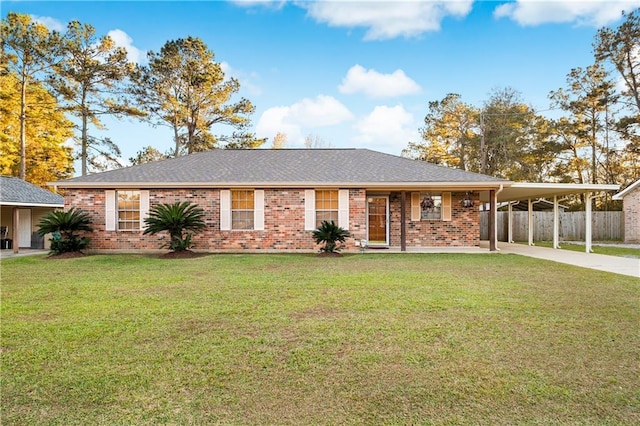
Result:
{"points": [[14, 191], [284, 166]]}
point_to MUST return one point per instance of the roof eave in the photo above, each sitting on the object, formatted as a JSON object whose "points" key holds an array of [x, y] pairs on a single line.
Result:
{"points": [[368, 185], [620, 195], [26, 204]]}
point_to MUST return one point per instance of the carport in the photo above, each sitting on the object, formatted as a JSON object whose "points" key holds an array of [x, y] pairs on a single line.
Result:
{"points": [[532, 192], [22, 205]]}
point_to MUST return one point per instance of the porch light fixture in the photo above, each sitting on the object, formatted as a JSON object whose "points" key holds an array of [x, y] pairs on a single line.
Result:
{"points": [[467, 201]]}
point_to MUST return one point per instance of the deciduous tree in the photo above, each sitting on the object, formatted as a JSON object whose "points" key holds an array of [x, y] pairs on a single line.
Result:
{"points": [[28, 49], [148, 154], [48, 158], [451, 135], [279, 141]]}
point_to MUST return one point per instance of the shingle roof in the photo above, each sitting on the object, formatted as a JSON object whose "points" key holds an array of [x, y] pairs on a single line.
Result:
{"points": [[14, 191], [284, 166]]}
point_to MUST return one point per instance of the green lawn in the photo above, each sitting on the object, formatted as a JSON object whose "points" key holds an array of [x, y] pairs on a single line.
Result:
{"points": [[297, 339], [610, 250]]}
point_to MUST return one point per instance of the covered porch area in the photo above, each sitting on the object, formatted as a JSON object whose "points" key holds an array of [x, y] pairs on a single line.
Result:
{"points": [[532, 193], [22, 206]]}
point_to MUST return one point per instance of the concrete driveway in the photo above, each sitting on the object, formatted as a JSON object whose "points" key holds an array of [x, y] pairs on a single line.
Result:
{"points": [[7, 254], [601, 262]]}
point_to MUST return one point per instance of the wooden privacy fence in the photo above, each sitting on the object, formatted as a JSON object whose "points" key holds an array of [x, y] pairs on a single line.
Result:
{"points": [[604, 225]]}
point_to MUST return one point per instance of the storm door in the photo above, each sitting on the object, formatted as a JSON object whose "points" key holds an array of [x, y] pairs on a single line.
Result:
{"points": [[378, 220]]}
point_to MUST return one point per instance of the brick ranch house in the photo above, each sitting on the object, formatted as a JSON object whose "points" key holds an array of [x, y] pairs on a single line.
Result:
{"points": [[272, 200]]}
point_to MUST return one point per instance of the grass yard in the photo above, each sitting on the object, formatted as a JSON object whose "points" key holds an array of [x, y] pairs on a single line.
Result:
{"points": [[610, 250], [297, 339]]}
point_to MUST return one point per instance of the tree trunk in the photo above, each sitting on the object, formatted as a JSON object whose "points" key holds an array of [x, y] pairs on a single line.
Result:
{"points": [[84, 142], [83, 153], [23, 127], [176, 138]]}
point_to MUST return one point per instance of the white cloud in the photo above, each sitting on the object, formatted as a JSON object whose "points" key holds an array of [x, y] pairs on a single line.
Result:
{"points": [[296, 120], [51, 23], [377, 85], [386, 128], [122, 39], [246, 79], [387, 19], [595, 13]]}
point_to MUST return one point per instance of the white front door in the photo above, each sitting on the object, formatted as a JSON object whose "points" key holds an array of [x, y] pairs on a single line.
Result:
{"points": [[24, 229]]}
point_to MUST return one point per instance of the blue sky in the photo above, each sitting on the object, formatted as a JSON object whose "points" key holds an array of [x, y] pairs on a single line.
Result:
{"points": [[354, 74]]}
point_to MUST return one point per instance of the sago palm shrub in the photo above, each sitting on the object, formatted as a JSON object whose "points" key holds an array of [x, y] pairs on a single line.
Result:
{"points": [[181, 220], [64, 225], [330, 234]]}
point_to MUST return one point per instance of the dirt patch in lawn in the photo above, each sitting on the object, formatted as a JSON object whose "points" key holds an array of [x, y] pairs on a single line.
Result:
{"points": [[68, 255], [184, 254], [328, 254]]}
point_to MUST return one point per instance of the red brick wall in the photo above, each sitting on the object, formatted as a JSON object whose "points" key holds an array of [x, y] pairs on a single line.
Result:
{"points": [[284, 215], [462, 231]]}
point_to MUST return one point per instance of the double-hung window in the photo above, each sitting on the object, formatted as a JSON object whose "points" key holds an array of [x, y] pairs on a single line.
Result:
{"points": [[125, 210], [431, 206], [128, 210], [242, 209], [326, 206]]}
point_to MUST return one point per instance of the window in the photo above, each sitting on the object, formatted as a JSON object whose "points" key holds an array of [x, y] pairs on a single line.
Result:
{"points": [[128, 210], [430, 206], [326, 206], [242, 209]]}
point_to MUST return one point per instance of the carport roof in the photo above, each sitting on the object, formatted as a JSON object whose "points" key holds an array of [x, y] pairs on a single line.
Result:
{"points": [[16, 192], [527, 190]]}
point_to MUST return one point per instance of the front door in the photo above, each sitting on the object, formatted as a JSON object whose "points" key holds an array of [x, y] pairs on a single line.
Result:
{"points": [[378, 221], [24, 229]]}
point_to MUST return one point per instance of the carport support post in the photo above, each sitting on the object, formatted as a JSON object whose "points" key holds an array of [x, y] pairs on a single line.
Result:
{"points": [[587, 208], [403, 217], [530, 219], [16, 227], [510, 222], [556, 224], [492, 220]]}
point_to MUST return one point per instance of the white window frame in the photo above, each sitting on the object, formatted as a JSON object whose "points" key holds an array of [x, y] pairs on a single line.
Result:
{"points": [[310, 209], [226, 213], [417, 199], [111, 210]]}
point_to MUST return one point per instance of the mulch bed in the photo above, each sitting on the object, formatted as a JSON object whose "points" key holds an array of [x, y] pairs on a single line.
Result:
{"points": [[328, 254]]}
